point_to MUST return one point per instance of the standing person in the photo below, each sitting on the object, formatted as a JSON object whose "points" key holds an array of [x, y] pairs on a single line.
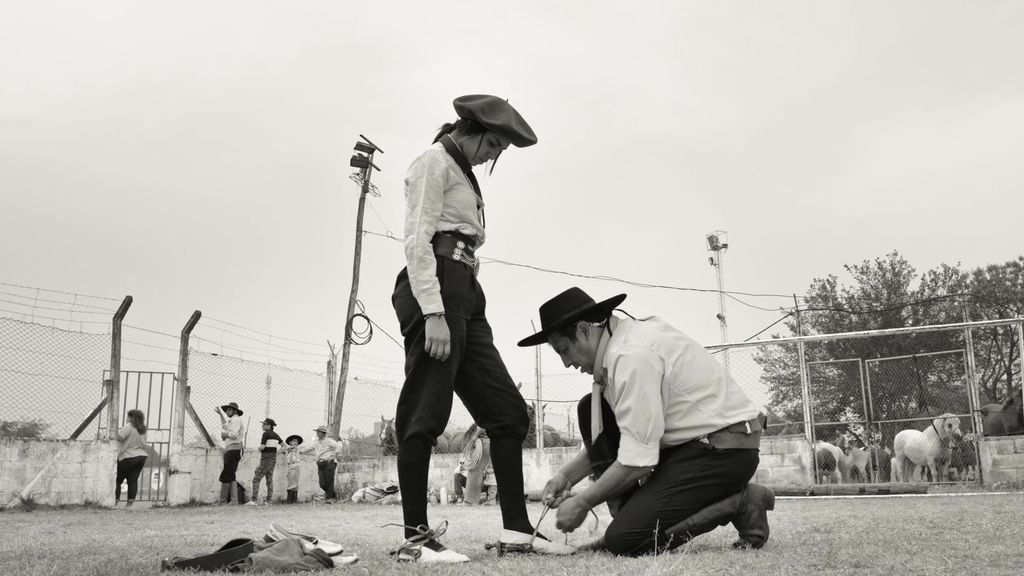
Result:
{"points": [[231, 433], [326, 450], [671, 436], [131, 455], [448, 341], [268, 461], [292, 458]]}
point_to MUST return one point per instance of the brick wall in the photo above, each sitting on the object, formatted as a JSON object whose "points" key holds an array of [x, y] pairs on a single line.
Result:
{"points": [[1002, 459], [785, 461]]}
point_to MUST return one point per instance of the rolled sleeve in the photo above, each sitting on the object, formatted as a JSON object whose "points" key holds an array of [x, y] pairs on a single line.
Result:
{"points": [[425, 184], [636, 378]]}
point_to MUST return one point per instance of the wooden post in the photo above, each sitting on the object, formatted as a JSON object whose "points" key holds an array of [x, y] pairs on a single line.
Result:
{"points": [[366, 162], [332, 372], [114, 391]]}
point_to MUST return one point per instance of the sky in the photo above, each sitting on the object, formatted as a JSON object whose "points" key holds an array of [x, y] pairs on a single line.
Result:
{"points": [[195, 156]]}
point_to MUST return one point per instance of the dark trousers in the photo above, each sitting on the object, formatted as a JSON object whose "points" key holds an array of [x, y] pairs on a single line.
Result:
{"points": [[231, 458], [688, 477], [129, 469], [476, 373], [264, 470], [325, 471]]}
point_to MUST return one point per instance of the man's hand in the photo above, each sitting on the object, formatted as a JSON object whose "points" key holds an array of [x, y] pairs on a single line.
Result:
{"points": [[555, 491], [216, 409], [571, 514], [438, 341]]}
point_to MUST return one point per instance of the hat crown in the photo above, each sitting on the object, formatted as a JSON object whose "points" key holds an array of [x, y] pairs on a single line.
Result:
{"points": [[565, 305], [497, 115]]}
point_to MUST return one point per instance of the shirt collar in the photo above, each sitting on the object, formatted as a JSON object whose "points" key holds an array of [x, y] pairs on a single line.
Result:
{"points": [[600, 371]]}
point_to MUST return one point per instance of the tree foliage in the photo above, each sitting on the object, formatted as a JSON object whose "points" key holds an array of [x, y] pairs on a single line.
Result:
{"points": [[888, 292]]}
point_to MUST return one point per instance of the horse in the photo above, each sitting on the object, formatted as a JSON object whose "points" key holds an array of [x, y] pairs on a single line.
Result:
{"points": [[388, 438], [1004, 418], [855, 460], [830, 462], [914, 448]]}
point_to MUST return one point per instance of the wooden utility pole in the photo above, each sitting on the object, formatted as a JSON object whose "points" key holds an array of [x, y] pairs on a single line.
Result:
{"points": [[362, 159]]}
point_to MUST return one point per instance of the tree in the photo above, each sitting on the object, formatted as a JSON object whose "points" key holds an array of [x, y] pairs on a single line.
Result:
{"points": [[888, 293], [23, 429]]}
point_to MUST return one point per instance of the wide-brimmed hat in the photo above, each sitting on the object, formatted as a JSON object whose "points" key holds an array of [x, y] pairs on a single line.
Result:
{"points": [[567, 307], [289, 439], [320, 429], [232, 405], [497, 115], [269, 421]]}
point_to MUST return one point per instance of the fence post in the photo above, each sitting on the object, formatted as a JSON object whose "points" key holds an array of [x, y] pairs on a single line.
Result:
{"points": [[179, 480], [973, 399], [1020, 356], [114, 407], [805, 386]]}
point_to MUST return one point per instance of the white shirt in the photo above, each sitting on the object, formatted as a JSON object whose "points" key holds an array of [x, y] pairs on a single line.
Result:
{"points": [[438, 198], [665, 389], [233, 427]]}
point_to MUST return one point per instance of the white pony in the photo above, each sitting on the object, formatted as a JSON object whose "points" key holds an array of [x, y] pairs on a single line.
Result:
{"points": [[831, 466], [913, 448]]}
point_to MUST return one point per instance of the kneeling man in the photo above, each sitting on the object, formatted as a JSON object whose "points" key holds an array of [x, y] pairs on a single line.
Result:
{"points": [[671, 437]]}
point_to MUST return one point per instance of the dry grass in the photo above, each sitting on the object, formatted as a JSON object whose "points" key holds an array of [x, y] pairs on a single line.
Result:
{"points": [[884, 536]]}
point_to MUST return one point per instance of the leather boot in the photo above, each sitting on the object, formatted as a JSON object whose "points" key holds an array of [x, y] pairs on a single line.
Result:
{"points": [[293, 496], [225, 492], [233, 492], [752, 520], [746, 509]]}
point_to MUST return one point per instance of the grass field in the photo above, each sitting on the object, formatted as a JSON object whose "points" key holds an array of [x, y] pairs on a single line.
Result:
{"points": [[886, 536]]}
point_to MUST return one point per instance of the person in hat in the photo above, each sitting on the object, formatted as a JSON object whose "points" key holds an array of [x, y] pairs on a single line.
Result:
{"points": [[671, 437], [268, 461], [293, 458], [448, 341], [326, 450], [232, 434]]}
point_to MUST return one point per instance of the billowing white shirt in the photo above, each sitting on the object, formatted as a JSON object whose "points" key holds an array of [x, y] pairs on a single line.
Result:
{"points": [[438, 198], [665, 389]]}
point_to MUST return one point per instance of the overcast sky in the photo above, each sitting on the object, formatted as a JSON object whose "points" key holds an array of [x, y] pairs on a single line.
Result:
{"points": [[195, 154]]}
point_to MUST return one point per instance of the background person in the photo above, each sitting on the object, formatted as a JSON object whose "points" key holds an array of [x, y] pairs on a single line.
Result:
{"points": [[293, 459], [326, 450], [131, 455], [231, 433], [268, 461]]}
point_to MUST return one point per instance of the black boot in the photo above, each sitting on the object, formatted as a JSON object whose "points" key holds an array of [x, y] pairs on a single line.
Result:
{"points": [[747, 510], [293, 496], [752, 521]]}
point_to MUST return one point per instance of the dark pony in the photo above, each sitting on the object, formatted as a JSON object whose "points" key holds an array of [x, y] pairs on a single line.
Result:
{"points": [[388, 438]]}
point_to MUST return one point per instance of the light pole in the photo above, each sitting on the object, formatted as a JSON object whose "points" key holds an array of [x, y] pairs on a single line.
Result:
{"points": [[718, 243]]}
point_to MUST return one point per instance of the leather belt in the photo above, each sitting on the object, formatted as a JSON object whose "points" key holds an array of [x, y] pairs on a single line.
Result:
{"points": [[457, 249], [745, 435]]}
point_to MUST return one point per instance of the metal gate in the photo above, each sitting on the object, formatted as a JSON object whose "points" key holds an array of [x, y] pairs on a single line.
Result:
{"points": [[153, 393]]}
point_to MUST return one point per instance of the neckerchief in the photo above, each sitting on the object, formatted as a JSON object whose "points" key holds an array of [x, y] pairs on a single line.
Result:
{"points": [[600, 380], [455, 152]]}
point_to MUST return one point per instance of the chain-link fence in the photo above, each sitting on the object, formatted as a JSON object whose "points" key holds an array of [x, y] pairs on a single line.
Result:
{"points": [[294, 399], [910, 398], [50, 379]]}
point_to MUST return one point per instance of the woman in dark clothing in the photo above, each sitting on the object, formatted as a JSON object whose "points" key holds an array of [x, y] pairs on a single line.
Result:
{"points": [[449, 346], [131, 455]]}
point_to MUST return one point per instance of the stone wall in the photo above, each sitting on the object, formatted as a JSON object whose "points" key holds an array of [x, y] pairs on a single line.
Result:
{"points": [[76, 472], [202, 466], [1002, 459], [785, 461]]}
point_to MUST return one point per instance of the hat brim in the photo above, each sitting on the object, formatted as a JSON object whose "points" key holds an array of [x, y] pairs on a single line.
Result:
{"points": [[604, 306], [289, 439], [235, 408]]}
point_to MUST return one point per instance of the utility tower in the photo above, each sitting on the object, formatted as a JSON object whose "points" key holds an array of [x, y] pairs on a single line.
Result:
{"points": [[718, 243]]}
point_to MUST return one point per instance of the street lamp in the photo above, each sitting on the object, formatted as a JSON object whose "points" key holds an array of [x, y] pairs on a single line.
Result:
{"points": [[718, 243]]}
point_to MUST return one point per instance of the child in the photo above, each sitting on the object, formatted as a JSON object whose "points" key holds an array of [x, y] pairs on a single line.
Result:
{"points": [[268, 460], [292, 459]]}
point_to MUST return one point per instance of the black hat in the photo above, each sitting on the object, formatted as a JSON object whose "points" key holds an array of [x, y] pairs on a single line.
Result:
{"points": [[566, 308], [289, 439], [497, 115], [232, 405], [269, 421]]}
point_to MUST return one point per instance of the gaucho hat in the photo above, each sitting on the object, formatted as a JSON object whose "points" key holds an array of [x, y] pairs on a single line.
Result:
{"points": [[568, 307]]}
